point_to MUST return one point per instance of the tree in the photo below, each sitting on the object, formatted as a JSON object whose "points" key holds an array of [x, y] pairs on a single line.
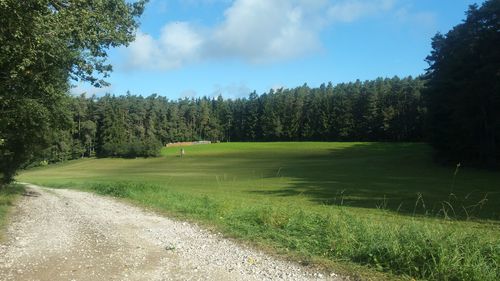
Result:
{"points": [[463, 88], [112, 137], [223, 114], [251, 120], [44, 44]]}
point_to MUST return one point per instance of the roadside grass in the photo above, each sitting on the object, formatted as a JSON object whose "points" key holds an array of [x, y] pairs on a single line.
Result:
{"points": [[384, 206], [8, 195]]}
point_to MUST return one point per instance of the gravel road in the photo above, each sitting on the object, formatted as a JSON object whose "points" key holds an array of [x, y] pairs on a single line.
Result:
{"points": [[58, 234]]}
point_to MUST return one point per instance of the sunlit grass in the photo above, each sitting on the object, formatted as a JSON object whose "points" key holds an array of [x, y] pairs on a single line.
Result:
{"points": [[384, 205]]}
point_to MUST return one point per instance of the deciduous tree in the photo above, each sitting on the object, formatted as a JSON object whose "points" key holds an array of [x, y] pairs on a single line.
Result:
{"points": [[44, 44]]}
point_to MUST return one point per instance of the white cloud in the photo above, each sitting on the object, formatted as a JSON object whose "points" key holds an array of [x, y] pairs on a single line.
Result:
{"points": [[89, 90], [143, 50], [255, 31], [235, 90], [263, 31], [178, 44]]}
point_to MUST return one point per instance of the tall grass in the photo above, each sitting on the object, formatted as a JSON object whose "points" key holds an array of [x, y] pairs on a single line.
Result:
{"points": [[8, 195], [416, 248], [384, 205]]}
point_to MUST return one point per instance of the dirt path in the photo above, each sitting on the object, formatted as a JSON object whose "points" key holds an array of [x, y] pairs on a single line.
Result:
{"points": [[58, 234]]}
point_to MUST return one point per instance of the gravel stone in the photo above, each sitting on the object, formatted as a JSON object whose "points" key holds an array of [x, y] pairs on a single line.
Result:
{"points": [[71, 235]]}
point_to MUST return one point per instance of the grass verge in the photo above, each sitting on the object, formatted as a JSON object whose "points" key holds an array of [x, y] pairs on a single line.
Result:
{"points": [[417, 248], [8, 195]]}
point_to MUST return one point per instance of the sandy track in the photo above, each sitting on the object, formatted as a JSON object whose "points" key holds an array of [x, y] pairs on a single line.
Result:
{"points": [[59, 234]]}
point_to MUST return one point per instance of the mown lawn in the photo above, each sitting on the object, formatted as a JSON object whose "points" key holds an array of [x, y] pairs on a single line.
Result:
{"points": [[383, 205]]}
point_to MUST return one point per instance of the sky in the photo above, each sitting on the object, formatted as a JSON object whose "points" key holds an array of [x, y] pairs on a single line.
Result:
{"points": [[195, 48]]}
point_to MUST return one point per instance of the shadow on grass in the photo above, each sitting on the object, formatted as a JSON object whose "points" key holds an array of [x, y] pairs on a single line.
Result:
{"points": [[11, 189], [397, 177]]}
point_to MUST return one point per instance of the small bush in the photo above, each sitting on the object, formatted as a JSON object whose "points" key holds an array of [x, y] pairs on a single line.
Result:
{"points": [[149, 147]]}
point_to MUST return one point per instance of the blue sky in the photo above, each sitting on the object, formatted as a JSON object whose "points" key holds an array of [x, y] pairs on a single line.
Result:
{"points": [[194, 48]]}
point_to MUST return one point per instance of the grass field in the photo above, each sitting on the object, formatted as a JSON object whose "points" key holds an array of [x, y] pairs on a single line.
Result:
{"points": [[386, 206]]}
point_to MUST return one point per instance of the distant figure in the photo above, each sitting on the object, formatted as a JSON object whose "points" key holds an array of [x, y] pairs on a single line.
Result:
{"points": [[182, 152]]}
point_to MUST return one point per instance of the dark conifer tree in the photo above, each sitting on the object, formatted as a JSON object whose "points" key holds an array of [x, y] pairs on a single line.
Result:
{"points": [[463, 89]]}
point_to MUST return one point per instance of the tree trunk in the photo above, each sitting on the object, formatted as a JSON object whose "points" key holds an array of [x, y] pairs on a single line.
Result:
{"points": [[8, 177]]}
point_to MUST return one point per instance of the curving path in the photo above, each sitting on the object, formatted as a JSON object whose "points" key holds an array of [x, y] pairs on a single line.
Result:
{"points": [[58, 234]]}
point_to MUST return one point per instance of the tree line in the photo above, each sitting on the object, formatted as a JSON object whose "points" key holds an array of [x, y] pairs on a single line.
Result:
{"points": [[44, 44], [133, 125]]}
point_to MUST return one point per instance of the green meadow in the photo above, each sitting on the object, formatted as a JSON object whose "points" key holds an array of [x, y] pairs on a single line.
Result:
{"points": [[355, 207]]}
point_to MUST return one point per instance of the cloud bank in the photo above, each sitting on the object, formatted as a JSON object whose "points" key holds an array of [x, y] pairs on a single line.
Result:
{"points": [[255, 31]]}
